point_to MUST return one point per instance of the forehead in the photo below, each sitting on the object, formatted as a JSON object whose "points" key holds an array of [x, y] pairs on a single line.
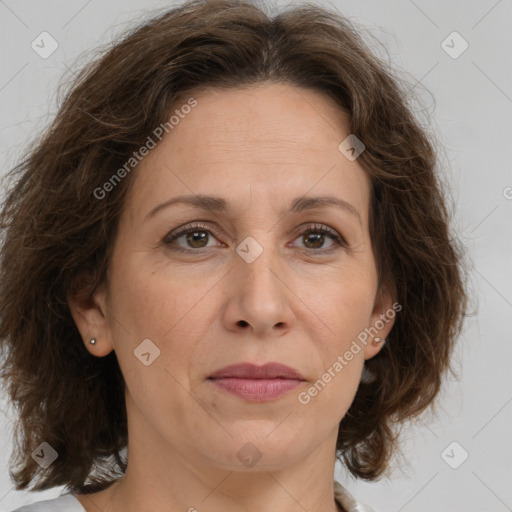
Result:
{"points": [[276, 116], [272, 138]]}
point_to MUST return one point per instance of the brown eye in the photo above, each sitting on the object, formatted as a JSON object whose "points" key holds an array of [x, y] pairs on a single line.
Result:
{"points": [[194, 236], [196, 239], [314, 238]]}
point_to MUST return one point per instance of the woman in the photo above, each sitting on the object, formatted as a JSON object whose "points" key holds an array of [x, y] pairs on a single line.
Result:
{"points": [[225, 265]]}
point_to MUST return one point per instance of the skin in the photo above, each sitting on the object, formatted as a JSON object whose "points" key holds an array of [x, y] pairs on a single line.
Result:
{"points": [[302, 302]]}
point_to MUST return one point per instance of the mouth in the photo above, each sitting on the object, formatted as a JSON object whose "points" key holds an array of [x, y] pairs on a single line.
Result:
{"points": [[257, 383]]}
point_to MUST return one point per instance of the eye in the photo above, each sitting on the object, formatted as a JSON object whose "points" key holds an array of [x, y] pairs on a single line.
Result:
{"points": [[314, 236], [196, 236]]}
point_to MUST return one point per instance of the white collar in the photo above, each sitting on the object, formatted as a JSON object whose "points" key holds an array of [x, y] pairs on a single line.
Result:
{"points": [[349, 503]]}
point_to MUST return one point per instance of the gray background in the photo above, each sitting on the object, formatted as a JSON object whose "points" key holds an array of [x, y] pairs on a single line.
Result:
{"points": [[469, 101]]}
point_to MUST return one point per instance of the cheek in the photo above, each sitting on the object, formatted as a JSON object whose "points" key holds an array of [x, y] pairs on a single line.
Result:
{"points": [[156, 304], [344, 311], [330, 396], [342, 305], [152, 306]]}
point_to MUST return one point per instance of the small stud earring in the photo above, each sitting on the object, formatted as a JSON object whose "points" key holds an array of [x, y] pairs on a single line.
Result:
{"points": [[376, 341], [92, 341]]}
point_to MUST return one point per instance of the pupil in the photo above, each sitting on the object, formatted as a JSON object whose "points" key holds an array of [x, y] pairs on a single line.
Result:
{"points": [[319, 238], [191, 237]]}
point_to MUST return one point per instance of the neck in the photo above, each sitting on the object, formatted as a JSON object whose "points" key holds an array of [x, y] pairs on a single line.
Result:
{"points": [[162, 477]]}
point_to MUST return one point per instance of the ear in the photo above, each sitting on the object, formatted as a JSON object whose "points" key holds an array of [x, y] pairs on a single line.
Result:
{"points": [[382, 319], [89, 312]]}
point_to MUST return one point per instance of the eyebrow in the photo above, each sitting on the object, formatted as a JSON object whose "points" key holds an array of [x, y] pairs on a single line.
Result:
{"points": [[218, 204]]}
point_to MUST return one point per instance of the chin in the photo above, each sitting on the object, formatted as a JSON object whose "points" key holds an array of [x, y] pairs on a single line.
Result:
{"points": [[257, 449]]}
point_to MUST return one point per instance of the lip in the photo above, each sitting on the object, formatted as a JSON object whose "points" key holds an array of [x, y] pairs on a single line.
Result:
{"points": [[252, 371], [257, 383]]}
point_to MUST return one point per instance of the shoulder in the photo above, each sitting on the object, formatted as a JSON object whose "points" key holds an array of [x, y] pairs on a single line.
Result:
{"points": [[64, 503], [349, 503]]}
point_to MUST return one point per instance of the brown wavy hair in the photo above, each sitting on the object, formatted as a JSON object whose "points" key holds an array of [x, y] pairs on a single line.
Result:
{"points": [[57, 237]]}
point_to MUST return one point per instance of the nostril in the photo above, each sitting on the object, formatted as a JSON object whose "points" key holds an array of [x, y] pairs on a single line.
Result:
{"points": [[242, 323]]}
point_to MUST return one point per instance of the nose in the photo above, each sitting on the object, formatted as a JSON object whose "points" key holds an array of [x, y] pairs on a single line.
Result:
{"points": [[259, 297]]}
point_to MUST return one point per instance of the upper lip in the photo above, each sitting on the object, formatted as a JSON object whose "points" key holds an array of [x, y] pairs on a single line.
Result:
{"points": [[252, 371]]}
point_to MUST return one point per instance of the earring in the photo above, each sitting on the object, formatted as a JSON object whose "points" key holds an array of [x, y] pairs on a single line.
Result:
{"points": [[92, 341], [376, 341]]}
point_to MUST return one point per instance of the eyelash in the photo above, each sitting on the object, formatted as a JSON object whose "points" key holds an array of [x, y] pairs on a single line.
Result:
{"points": [[310, 228]]}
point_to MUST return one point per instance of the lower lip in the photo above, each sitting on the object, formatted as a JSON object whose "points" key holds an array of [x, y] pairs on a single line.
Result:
{"points": [[256, 390]]}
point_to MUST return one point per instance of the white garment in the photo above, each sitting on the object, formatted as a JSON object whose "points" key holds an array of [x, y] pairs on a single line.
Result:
{"points": [[348, 501], [68, 503], [64, 503]]}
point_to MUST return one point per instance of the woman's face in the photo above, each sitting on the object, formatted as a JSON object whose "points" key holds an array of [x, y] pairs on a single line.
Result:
{"points": [[257, 283]]}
